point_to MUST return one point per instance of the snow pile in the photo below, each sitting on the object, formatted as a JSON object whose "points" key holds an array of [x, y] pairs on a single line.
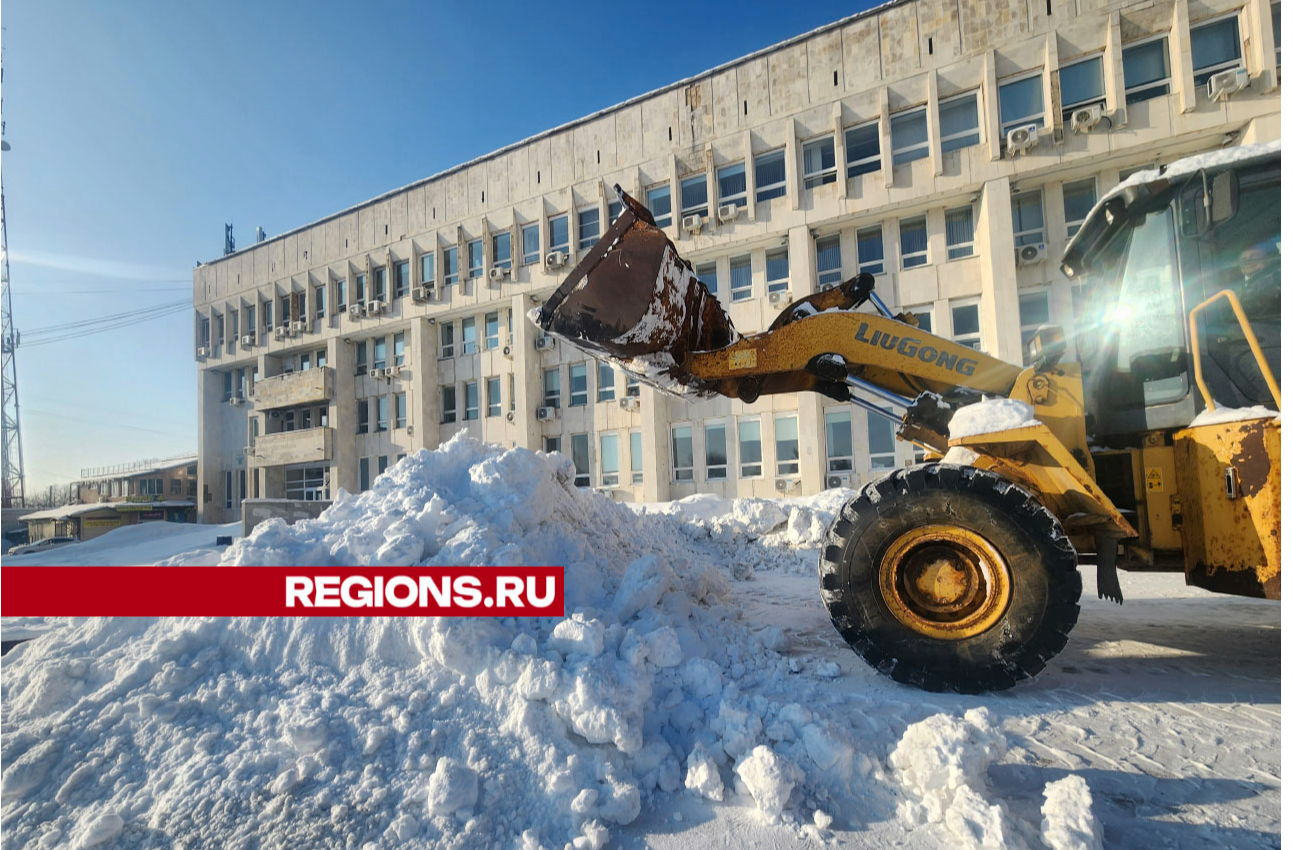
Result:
{"points": [[986, 417], [1067, 821], [437, 732], [1222, 414]]}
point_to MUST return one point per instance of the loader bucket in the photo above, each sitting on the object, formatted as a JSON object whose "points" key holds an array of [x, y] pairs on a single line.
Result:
{"points": [[634, 301]]}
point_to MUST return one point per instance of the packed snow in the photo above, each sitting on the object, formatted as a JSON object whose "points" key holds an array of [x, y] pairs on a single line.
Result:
{"points": [[694, 688], [987, 417], [1222, 414]]}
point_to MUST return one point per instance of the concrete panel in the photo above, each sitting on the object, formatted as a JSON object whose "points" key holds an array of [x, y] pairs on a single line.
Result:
{"points": [[695, 113], [862, 68], [311, 445], [727, 113], [754, 90], [256, 511], [628, 135], [940, 22], [825, 67], [562, 160], [787, 77], [992, 23], [899, 35]]}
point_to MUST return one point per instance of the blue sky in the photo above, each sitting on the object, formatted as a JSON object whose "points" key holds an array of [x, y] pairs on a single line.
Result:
{"points": [[140, 128]]}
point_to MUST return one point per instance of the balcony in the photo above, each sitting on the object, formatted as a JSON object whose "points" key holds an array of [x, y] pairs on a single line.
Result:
{"points": [[311, 445], [292, 389]]}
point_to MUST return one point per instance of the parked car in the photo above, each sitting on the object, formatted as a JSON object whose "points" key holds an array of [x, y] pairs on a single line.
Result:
{"points": [[42, 545]]}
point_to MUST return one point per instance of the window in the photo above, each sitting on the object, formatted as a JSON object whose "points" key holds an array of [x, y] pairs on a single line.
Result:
{"points": [[787, 445], [266, 310], [881, 439], [491, 331], [450, 258], [818, 162], [958, 122], [632, 388], [589, 228], [1081, 83], [401, 278], [558, 232], [582, 462], [964, 325], [635, 456], [910, 136], [609, 460], [551, 388], [511, 391], [778, 270], [285, 310], [923, 318], [959, 223], [1216, 48], [715, 451], [578, 384], [364, 477], [308, 484], [1021, 102], [1146, 68], [379, 353], [531, 252], [750, 434], [219, 329], [469, 335], [401, 410], [175, 485], [398, 345], [742, 278], [383, 413], [341, 301], [1033, 311], [1029, 219], [769, 175], [446, 340], [861, 144], [914, 236], [472, 395], [683, 459], [870, 250], [448, 404], [502, 250], [428, 269], [382, 463], [475, 258], [552, 444], [228, 490], [228, 385], [1078, 200], [360, 284], [320, 305], [838, 440], [708, 275], [695, 195], [379, 283], [731, 185], [613, 209], [829, 263], [605, 381], [250, 318], [361, 411], [660, 204], [305, 362], [493, 395]]}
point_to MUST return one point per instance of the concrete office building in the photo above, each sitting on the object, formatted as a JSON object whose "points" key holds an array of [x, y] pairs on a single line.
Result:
{"points": [[948, 146]]}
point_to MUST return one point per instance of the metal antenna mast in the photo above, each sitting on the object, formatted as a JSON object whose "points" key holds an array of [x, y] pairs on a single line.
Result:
{"points": [[15, 495]]}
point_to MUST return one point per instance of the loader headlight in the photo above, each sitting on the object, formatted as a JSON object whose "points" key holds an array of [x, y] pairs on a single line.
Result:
{"points": [[1046, 347]]}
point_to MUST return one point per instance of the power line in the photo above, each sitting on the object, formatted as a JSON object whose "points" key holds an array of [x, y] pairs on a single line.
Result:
{"points": [[27, 293], [80, 334], [102, 423], [108, 318]]}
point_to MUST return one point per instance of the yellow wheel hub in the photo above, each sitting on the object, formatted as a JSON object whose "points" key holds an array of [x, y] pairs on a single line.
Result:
{"points": [[945, 582]]}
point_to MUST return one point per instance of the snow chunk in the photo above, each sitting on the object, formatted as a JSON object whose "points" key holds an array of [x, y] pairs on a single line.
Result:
{"points": [[453, 786], [702, 775], [770, 779], [1067, 822], [960, 456], [977, 824], [645, 581], [986, 417], [1221, 415], [92, 832], [938, 756], [578, 635]]}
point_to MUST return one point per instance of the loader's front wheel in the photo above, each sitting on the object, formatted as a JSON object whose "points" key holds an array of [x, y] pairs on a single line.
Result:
{"points": [[950, 578]]}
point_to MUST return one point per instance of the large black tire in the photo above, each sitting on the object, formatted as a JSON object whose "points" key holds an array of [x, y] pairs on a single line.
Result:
{"points": [[1043, 587]]}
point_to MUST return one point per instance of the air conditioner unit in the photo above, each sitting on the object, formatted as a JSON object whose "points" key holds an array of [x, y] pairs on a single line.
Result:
{"points": [[249, 451], [248, 340], [1226, 83], [356, 310], [1021, 139], [237, 401], [787, 485], [545, 413], [729, 212], [298, 327], [693, 223], [280, 332], [392, 372], [1027, 255], [409, 429], [376, 306], [545, 343], [1083, 120], [203, 351], [376, 373], [498, 274], [506, 350], [556, 259], [779, 297], [511, 416], [630, 403], [425, 292], [838, 479]]}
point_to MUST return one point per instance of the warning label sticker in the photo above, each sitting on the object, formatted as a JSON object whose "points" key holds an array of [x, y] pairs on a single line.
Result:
{"points": [[1153, 477]]}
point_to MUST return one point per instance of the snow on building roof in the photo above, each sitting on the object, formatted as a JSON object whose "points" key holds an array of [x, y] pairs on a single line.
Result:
{"points": [[66, 511]]}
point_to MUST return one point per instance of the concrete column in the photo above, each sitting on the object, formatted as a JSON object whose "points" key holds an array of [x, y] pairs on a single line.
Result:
{"points": [[990, 105], [529, 374], [1180, 46], [342, 416], [1050, 90], [885, 138], [675, 199], [210, 392], [1262, 59], [840, 150], [711, 181], [802, 261], [811, 443], [750, 188], [793, 182], [934, 121], [657, 455], [422, 387], [1114, 80], [998, 308]]}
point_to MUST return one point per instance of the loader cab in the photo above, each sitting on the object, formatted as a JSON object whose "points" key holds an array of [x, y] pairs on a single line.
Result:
{"points": [[1152, 250]]}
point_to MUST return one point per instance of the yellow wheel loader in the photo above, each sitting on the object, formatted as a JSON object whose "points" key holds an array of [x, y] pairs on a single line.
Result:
{"points": [[1158, 449]]}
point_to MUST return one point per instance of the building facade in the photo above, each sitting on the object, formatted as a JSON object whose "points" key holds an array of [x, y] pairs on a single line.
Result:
{"points": [[173, 478], [950, 148]]}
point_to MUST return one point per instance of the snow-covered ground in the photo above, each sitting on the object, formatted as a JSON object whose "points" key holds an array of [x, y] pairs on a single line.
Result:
{"points": [[695, 696]]}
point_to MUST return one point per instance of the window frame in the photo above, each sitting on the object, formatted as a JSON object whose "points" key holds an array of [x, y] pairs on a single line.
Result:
{"points": [[970, 339], [587, 241], [552, 394], [1145, 91], [1037, 118], [499, 237], [746, 292], [447, 349], [749, 469], [452, 267], [1237, 62], [492, 338], [1073, 225], [866, 164], [636, 462], [653, 194], [564, 244], [709, 468], [609, 477], [913, 259], [492, 409], [873, 267], [776, 284], [775, 189], [605, 390], [825, 175], [783, 469], [900, 154], [448, 414], [469, 345], [475, 264], [1027, 330], [959, 250], [582, 478], [831, 276], [836, 462], [682, 474], [578, 398], [403, 279], [526, 257], [1066, 109], [1025, 237], [951, 141], [470, 412], [875, 422], [741, 198], [690, 181]]}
